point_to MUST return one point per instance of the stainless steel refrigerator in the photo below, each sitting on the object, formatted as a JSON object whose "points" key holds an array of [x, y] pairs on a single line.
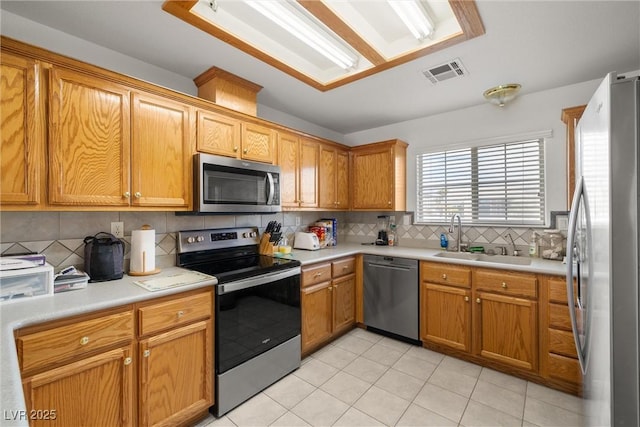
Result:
{"points": [[603, 253]]}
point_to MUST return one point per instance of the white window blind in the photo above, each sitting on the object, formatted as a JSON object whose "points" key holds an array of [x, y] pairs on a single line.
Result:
{"points": [[494, 184]]}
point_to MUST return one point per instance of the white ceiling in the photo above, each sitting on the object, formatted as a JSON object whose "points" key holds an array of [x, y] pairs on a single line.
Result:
{"points": [[539, 44]]}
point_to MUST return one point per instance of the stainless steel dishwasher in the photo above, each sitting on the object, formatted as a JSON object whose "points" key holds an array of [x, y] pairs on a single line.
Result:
{"points": [[391, 302]]}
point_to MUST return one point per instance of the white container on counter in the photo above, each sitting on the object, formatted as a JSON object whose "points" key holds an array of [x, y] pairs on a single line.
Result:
{"points": [[15, 285]]}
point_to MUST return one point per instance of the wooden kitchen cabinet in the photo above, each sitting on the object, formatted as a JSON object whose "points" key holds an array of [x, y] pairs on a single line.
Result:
{"points": [[505, 318], [22, 143], [298, 161], [176, 359], [161, 153], [82, 369], [378, 176], [218, 134], [89, 140], [328, 292], [333, 178], [445, 307], [570, 117]]}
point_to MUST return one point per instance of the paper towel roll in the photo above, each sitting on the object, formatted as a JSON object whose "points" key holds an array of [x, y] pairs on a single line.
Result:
{"points": [[143, 251]]}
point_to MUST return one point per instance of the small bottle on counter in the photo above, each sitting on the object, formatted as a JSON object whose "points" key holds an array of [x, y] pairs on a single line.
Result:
{"points": [[444, 242], [533, 245], [391, 237]]}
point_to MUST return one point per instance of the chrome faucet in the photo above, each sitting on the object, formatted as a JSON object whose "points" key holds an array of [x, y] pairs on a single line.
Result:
{"points": [[459, 238], [516, 252]]}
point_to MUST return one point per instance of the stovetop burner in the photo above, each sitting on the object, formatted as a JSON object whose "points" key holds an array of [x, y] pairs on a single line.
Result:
{"points": [[228, 254]]}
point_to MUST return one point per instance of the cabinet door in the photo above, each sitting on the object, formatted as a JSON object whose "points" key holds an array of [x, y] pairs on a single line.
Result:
{"points": [[373, 179], [161, 152], [218, 134], [176, 376], [289, 162], [316, 303], [342, 179], [89, 141], [506, 330], [308, 174], [22, 142], [94, 391], [344, 302], [445, 316], [258, 143], [327, 197]]}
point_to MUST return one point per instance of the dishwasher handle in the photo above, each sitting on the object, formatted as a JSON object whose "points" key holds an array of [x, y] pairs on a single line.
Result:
{"points": [[391, 266]]}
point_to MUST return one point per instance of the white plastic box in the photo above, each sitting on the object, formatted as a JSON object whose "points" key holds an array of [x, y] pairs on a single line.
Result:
{"points": [[15, 285]]}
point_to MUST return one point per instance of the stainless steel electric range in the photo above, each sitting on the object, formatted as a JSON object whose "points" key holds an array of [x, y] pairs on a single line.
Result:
{"points": [[257, 310]]}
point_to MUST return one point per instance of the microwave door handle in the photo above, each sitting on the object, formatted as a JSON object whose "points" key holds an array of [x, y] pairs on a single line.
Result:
{"points": [[271, 188]]}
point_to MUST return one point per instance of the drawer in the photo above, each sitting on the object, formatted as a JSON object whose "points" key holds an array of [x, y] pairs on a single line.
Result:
{"points": [[69, 342], [317, 273], [343, 267], [445, 274], [558, 289], [564, 368], [175, 312], [562, 342], [508, 283], [559, 317]]}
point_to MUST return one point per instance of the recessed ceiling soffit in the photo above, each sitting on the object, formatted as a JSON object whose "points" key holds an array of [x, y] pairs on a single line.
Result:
{"points": [[329, 43]]}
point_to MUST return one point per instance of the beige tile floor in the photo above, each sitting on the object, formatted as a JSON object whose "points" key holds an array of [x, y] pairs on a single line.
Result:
{"points": [[364, 379]]}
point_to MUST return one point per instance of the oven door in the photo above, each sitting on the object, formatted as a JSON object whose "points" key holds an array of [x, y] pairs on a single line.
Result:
{"points": [[237, 186], [254, 315]]}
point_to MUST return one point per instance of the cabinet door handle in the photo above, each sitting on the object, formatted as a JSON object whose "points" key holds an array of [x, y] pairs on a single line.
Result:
{"points": [[245, 151], [478, 300], [180, 314], [444, 277], [330, 288], [504, 285], [466, 299], [84, 340], [137, 194], [146, 353], [389, 202], [127, 361], [235, 149], [126, 195]]}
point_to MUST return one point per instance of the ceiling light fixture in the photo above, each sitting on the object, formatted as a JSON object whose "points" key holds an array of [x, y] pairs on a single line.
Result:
{"points": [[313, 36], [502, 94], [414, 16]]}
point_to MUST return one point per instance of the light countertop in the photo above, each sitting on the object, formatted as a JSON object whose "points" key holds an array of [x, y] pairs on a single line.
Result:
{"points": [[102, 295]]}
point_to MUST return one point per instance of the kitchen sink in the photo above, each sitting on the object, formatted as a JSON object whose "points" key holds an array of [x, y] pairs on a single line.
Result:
{"points": [[497, 259]]}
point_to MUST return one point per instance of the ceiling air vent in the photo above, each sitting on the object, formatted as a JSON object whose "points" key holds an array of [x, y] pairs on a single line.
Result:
{"points": [[445, 71]]}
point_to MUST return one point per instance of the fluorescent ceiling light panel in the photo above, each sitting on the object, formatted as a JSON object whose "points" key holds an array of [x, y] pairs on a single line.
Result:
{"points": [[314, 37], [414, 17]]}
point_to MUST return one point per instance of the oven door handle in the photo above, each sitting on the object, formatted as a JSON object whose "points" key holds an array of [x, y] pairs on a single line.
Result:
{"points": [[260, 280]]}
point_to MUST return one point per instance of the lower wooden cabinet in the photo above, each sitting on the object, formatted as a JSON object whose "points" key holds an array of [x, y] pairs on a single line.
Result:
{"points": [[447, 316], [328, 294], [86, 371]]}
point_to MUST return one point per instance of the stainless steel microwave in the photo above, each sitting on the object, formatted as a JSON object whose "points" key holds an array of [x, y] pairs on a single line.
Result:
{"points": [[226, 185]]}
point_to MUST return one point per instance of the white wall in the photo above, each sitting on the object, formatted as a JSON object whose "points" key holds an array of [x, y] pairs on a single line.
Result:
{"points": [[527, 114]]}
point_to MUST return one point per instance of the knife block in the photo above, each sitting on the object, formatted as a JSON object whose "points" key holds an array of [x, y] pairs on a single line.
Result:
{"points": [[266, 247]]}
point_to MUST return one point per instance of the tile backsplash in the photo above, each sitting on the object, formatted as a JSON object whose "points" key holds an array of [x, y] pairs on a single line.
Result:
{"points": [[59, 235]]}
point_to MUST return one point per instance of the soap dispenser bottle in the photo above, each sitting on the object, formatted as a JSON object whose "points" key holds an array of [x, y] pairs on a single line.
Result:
{"points": [[533, 245]]}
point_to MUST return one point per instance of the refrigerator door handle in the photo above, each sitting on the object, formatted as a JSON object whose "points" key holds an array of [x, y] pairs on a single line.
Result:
{"points": [[571, 254]]}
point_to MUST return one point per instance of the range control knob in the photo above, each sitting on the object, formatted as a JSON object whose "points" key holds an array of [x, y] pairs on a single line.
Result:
{"points": [[200, 239], [253, 234], [246, 235], [191, 239]]}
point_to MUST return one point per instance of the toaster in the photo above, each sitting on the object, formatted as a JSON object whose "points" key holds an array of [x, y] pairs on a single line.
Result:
{"points": [[307, 241]]}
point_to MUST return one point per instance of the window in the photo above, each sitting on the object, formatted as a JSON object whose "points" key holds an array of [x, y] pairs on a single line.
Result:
{"points": [[493, 184]]}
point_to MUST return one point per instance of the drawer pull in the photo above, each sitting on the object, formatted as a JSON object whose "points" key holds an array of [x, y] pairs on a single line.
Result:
{"points": [[344, 267], [84, 340], [478, 300], [444, 276], [504, 285], [180, 314], [466, 299], [146, 353], [330, 288], [318, 274], [127, 361]]}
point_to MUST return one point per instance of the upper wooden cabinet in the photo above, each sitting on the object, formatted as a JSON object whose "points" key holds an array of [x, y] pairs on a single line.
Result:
{"points": [[231, 137], [89, 140], [161, 152], [333, 177], [298, 161], [570, 117], [22, 143], [378, 176], [104, 153]]}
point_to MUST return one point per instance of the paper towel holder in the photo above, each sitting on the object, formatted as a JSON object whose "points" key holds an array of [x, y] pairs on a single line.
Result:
{"points": [[143, 273]]}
